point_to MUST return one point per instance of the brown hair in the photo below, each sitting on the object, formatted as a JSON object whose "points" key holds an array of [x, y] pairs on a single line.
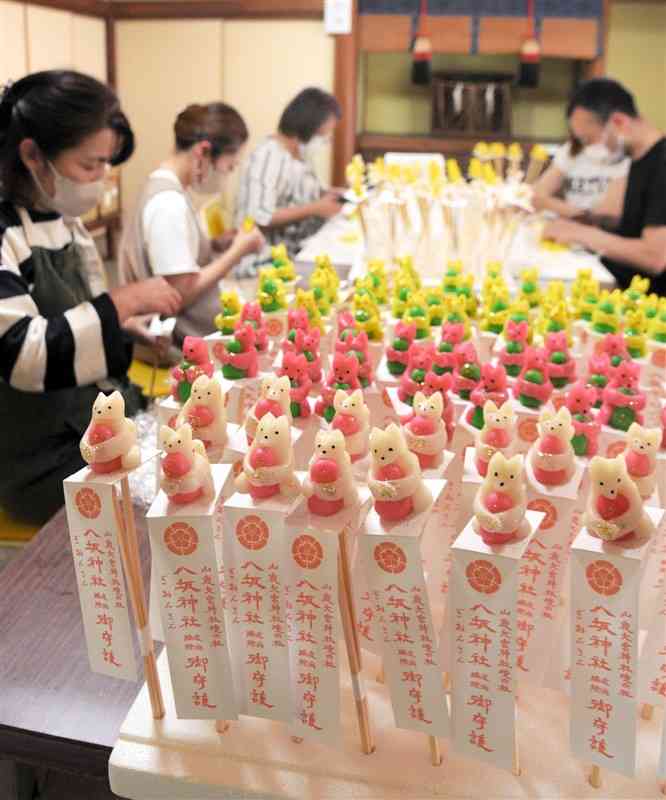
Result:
{"points": [[217, 123], [58, 109], [307, 112], [575, 145]]}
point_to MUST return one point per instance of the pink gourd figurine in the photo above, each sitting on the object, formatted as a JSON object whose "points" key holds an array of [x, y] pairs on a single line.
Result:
{"points": [[498, 434], [109, 443], [252, 315], [614, 507], [453, 335], [274, 397], [397, 353], [395, 476], [622, 401], [561, 367], [640, 456], [512, 356], [599, 371], [206, 413], [306, 342], [614, 346], [533, 388], [186, 475], [343, 375], [425, 432], [268, 467], [195, 362], [501, 502], [493, 386], [295, 368], [580, 401], [552, 457], [239, 356], [352, 419], [329, 485], [467, 373], [357, 345], [419, 362]]}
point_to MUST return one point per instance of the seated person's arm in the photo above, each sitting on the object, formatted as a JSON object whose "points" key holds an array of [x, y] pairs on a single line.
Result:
{"points": [[608, 211], [647, 253], [325, 207], [262, 204], [82, 346], [545, 191], [170, 248]]}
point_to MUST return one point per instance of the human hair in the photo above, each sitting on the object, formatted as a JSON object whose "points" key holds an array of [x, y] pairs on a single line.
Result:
{"points": [[575, 145], [58, 109], [603, 97], [217, 123], [307, 112]]}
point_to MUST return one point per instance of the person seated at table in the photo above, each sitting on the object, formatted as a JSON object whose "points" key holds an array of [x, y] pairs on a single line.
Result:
{"points": [[61, 335], [279, 187], [165, 236], [578, 177], [628, 227]]}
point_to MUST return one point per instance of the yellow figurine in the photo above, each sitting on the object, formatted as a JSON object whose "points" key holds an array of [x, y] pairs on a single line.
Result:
{"points": [[403, 286], [455, 312], [606, 314], [406, 265], [366, 316], [637, 289], [229, 316], [635, 332], [496, 311], [529, 287], [307, 301], [650, 304], [271, 293], [475, 169], [283, 265], [416, 313], [323, 262], [553, 319], [434, 298], [377, 273], [452, 276], [453, 171]]}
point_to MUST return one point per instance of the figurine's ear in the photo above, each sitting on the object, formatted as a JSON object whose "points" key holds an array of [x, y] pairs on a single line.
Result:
{"points": [[564, 415], [185, 433], [546, 415], [338, 438], [376, 435], [166, 434], [490, 407], [419, 398], [497, 463], [200, 383], [339, 398], [266, 385], [283, 383], [653, 436], [357, 396], [393, 430], [282, 425], [506, 407], [515, 463], [437, 399]]}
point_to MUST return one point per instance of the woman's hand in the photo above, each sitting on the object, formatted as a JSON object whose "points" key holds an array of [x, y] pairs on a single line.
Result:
{"points": [[152, 296], [327, 206], [246, 242]]}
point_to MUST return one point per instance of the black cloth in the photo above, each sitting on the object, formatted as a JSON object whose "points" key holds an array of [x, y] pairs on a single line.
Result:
{"points": [[644, 207]]}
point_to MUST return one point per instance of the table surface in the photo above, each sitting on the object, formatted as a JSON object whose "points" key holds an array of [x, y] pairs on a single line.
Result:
{"points": [[54, 711]]}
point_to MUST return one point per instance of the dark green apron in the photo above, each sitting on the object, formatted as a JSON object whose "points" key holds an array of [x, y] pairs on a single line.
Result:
{"points": [[41, 431]]}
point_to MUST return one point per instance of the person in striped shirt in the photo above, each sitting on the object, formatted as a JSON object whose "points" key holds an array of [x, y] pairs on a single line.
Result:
{"points": [[279, 187], [61, 334]]}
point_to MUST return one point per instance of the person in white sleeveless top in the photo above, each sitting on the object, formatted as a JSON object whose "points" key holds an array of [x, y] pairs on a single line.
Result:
{"points": [[165, 236]]}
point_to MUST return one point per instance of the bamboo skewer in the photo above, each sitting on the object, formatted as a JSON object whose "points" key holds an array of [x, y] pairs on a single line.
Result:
{"points": [[647, 711], [129, 552], [595, 777], [353, 647]]}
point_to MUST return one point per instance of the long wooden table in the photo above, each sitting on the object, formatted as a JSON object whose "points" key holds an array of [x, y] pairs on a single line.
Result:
{"points": [[54, 711]]}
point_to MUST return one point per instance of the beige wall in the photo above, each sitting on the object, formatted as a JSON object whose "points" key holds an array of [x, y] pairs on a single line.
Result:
{"points": [[33, 38], [165, 65]]}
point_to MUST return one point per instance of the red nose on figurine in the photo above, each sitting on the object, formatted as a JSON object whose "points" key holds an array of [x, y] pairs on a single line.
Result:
{"points": [[175, 465]]}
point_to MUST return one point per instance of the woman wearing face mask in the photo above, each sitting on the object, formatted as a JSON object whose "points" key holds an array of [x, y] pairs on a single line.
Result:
{"points": [[279, 187], [165, 236], [61, 338], [580, 175]]}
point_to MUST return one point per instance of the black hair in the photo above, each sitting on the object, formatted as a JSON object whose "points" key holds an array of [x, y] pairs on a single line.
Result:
{"points": [[217, 123], [307, 112], [58, 109], [603, 97]]}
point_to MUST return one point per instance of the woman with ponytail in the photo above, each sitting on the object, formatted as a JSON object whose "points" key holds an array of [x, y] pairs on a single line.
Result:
{"points": [[61, 334]]}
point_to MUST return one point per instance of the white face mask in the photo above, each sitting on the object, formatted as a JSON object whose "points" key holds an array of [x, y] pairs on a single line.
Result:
{"points": [[210, 184], [602, 153], [315, 144], [71, 199]]}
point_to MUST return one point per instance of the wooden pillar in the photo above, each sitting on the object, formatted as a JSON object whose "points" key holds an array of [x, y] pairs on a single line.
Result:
{"points": [[597, 67], [346, 91], [111, 64]]}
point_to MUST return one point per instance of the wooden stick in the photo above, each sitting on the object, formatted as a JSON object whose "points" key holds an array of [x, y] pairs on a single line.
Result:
{"points": [[435, 751], [647, 711], [516, 755], [353, 648], [381, 675], [221, 725], [129, 550], [595, 777]]}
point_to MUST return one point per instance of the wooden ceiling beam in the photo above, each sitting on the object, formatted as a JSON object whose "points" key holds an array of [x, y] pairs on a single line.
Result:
{"points": [[218, 9]]}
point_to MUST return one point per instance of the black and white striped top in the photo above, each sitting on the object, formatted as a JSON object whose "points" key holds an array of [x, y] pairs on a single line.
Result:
{"points": [[273, 179], [82, 346]]}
